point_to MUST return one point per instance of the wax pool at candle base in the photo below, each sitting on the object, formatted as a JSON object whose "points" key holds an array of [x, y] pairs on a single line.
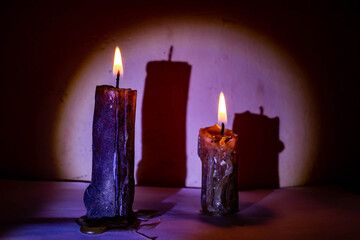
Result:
{"points": [[219, 194]]}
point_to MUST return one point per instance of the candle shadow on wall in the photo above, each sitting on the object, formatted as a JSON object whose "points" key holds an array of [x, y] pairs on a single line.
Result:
{"points": [[164, 124], [258, 152]]}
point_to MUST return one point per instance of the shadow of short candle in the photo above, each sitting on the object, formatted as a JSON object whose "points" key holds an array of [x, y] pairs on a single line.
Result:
{"points": [[259, 148]]}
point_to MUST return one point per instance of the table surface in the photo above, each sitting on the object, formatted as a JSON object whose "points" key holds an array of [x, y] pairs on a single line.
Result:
{"points": [[47, 210]]}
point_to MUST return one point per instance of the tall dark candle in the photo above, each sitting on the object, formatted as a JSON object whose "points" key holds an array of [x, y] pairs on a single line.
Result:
{"points": [[111, 191]]}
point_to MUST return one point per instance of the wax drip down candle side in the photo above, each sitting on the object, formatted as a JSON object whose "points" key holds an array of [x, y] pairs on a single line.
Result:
{"points": [[217, 151]]}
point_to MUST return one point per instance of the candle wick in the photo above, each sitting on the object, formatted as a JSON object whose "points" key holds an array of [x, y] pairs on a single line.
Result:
{"points": [[261, 110], [222, 129], [117, 79], [170, 53]]}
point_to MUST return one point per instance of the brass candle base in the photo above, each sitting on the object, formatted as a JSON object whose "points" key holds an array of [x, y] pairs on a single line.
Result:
{"points": [[133, 223]]}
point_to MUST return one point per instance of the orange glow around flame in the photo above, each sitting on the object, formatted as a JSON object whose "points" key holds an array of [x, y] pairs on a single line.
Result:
{"points": [[118, 67], [222, 117]]}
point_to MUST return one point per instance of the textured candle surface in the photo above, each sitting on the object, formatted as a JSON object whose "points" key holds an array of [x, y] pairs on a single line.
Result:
{"points": [[219, 194], [111, 191]]}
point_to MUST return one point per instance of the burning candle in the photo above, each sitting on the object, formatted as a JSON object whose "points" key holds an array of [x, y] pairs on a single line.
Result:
{"points": [[111, 191], [217, 149]]}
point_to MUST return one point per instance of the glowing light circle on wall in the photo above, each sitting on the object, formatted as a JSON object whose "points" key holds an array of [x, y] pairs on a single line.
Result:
{"points": [[251, 70]]}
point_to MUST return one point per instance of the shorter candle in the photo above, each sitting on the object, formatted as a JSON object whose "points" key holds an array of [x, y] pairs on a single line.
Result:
{"points": [[217, 149]]}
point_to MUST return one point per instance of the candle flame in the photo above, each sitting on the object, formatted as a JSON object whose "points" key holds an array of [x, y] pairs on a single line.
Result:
{"points": [[118, 67], [222, 118]]}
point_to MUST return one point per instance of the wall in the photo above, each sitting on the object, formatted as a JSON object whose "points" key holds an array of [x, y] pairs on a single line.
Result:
{"points": [[297, 61]]}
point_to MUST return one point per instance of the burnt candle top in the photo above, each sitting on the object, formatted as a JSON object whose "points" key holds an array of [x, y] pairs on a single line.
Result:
{"points": [[109, 88], [212, 135]]}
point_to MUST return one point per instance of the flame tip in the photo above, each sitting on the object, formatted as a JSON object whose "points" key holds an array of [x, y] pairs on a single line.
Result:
{"points": [[222, 117], [118, 66]]}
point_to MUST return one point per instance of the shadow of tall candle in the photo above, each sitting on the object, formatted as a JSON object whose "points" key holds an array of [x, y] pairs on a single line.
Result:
{"points": [[259, 148], [164, 124]]}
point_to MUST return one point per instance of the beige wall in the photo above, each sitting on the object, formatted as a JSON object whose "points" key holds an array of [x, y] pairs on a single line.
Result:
{"points": [[255, 59]]}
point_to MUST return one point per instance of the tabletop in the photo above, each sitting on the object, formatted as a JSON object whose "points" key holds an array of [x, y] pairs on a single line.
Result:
{"points": [[48, 209]]}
